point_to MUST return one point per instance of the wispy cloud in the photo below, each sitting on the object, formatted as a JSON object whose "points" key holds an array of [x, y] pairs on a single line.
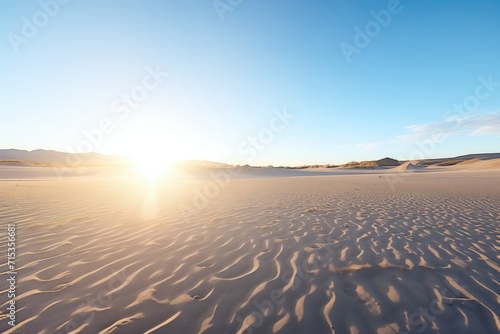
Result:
{"points": [[474, 123], [477, 123], [488, 129]]}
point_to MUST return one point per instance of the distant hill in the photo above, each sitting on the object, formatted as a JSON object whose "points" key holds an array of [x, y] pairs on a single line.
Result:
{"points": [[385, 162], [459, 159], [481, 156], [388, 162], [49, 157]]}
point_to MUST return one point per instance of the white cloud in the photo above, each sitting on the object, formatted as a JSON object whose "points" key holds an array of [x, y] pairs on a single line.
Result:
{"points": [[474, 123], [488, 130]]}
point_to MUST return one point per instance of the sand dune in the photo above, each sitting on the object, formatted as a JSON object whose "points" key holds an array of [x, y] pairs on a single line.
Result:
{"points": [[297, 254], [407, 166], [477, 164]]}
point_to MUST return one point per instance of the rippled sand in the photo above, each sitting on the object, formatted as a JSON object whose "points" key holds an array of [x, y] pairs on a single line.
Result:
{"points": [[373, 252]]}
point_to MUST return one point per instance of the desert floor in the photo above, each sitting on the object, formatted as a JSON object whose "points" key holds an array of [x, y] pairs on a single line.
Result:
{"points": [[254, 251]]}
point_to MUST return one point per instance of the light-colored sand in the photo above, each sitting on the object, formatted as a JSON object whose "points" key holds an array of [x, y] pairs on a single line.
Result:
{"points": [[302, 253], [407, 166], [411, 166], [476, 164]]}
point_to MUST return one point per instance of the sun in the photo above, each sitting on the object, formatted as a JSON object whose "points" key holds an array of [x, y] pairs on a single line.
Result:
{"points": [[154, 146], [151, 163]]}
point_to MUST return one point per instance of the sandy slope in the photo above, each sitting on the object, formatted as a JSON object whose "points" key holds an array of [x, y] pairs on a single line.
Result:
{"points": [[407, 166], [476, 164], [311, 254]]}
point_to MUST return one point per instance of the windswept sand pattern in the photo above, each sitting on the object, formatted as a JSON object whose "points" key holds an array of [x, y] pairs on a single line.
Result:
{"points": [[323, 254]]}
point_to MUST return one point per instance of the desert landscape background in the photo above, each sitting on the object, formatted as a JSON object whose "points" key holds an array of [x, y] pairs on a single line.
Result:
{"points": [[249, 167]]}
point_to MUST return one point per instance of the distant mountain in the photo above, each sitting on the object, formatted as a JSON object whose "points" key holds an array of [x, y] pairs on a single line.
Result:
{"points": [[49, 157], [387, 162], [459, 159], [60, 158], [481, 156]]}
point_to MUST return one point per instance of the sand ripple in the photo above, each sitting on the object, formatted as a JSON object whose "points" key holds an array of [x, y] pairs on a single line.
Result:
{"points": [[342, 254]]}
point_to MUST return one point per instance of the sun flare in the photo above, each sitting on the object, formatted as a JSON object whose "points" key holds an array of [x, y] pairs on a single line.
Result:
{"points": [[152, 165], [154, 147]]}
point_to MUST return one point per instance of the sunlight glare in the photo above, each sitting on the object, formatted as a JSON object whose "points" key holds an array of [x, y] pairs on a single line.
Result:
{"points": [[154, 147], [152, 165]]}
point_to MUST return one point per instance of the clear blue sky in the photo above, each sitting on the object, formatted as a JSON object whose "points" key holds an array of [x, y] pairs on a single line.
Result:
{"points": [[230, 67]]}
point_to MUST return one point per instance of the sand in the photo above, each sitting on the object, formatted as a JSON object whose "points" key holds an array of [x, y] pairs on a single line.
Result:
{"points": [[407, 166], [266, 251]]}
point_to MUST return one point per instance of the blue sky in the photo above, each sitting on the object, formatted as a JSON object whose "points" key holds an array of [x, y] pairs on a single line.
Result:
{"points": [[232, 68]]}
